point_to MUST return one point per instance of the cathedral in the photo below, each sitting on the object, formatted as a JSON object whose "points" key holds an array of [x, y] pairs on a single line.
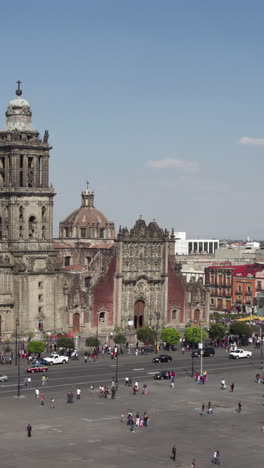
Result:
{"points": [[91, 279]]}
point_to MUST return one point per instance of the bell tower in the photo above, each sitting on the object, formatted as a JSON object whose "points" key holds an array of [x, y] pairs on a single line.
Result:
{"points": [[26, 199]]}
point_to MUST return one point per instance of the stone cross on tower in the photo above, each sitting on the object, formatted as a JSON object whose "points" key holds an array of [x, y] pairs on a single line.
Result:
{"points": [[19, 91], [87, 184]]}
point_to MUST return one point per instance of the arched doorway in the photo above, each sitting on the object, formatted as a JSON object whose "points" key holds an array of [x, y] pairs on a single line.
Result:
{"points": [[196, 318], [139, 314], [76, 323]]}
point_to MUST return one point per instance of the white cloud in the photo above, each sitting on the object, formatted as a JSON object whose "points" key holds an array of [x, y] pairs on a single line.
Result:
{"points": [[172, 164], [251, 141]]}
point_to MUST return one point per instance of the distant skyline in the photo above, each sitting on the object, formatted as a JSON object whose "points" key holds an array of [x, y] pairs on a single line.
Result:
{"points": [[160, 105]]}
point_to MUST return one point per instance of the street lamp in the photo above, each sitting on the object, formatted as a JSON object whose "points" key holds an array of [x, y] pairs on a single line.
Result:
{"points": [[201, 347], [17, 360], [191, 322]]}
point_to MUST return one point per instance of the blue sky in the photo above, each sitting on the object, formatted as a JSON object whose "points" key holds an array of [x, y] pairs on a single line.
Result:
{"points": [[159, 104]]}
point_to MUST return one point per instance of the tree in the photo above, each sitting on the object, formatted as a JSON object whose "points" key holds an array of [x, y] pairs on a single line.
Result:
{"points": [[120, 338], [147, 335], [65, 342], [240, 329], [217, 331], [92, 342], [193, 334], [170, 336], [36, 347]]}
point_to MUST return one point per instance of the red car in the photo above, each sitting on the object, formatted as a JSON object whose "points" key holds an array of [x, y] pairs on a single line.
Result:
{"points": [[38, 368]]}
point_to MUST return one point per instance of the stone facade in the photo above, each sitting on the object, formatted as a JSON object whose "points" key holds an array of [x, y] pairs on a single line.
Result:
{"points": [[88, 281]]}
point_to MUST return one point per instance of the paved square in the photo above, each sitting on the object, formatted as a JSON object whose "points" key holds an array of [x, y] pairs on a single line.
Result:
{"points": [[89, 432]]}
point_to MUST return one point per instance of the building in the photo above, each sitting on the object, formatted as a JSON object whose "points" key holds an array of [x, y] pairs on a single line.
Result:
{"points": [[185, 246], [88, 281], [231, 285]]}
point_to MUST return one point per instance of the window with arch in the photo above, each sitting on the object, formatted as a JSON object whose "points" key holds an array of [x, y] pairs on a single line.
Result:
{"points": [[21, 213], [40, 325], [101, 316], [32, 224], [43, 212], [174, 314], [43, 232], [83, 233], [67, 261], [101, 233], [20, 232]]}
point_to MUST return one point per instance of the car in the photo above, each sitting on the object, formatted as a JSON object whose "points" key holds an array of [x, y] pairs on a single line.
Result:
{"points": [[206, 352], [240, 353], [162, 358], [56, 359], [37, 368], [3, 378], [162, 375]]}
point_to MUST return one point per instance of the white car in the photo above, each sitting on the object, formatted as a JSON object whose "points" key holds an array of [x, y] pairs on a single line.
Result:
{"points": [[240, 353], [3, 378], [56, 359]]}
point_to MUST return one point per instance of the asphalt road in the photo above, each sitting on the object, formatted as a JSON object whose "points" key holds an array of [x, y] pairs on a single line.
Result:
{"points": [[77, 373]]}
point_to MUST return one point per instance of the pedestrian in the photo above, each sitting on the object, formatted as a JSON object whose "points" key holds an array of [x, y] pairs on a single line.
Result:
{"points": [[42, 400], [52, 402], [209, 408], [91, 389], [113, 390], [36, 393], [78, 394], [173, 452], [29, 382], [29, 430], [183, 350], [203, 410], [232, 387], [85, 358], [25, 382], [126, 381], [239, 407], [223, 384], [144, 390], [137, 419], [47, 380], [122, 419], [172, 381], [193, 463], [43, 379], [132, 423]]}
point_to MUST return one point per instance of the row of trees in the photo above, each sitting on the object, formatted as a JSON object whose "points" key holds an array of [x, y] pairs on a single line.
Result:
{"points": [[148, 336]]}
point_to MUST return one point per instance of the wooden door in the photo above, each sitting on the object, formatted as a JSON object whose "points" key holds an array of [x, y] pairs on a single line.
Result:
{"points": [[76, 323], [139, 314], [196, 317], [219, 304]]}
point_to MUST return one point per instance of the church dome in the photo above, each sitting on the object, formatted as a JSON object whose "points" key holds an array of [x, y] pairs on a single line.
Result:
{"points": [[87, 222]]}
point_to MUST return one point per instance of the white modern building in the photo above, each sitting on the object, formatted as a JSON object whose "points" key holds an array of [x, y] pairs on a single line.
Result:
{"points": [[185, 246]]}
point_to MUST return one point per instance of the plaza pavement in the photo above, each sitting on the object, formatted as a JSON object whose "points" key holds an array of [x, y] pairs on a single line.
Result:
{"points": [[89, 433]]}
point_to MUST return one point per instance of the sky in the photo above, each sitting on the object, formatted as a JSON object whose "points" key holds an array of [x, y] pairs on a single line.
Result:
{"points": [[158, 104]]}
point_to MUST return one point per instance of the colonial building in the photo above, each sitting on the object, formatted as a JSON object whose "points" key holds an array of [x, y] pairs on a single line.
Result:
{"points": [[88, 281]]}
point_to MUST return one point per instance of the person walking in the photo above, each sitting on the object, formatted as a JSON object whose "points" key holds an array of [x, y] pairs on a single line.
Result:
{"points": [[193, 463], [43, 379], [203, 410], [137, 419], [29, 382], [29, 430], [232, 386], [36, 393], [173, 453], [209, 408], [239, 407], [46, 381], [216, 458], [172, 381], [52, 402], [42, 400], [78, 394]]}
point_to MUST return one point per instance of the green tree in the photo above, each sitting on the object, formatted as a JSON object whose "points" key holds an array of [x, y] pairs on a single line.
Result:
{"points": [[240, 329], [193, 334], [170, 336], [217, 331], [65, 342], [120, 338], [36, 347], [146, 335], [92, 342], [30, 336], [217, 316]]}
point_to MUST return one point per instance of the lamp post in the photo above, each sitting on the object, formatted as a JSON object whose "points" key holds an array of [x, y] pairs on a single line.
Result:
{"points": [[157, 327], [18, 361], [191, 322], [201, 347], [116, 366], [261, 347], [17, 322]]}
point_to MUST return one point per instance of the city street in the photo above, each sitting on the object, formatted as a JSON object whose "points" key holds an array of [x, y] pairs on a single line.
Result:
{"points": [[89, 432]]}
